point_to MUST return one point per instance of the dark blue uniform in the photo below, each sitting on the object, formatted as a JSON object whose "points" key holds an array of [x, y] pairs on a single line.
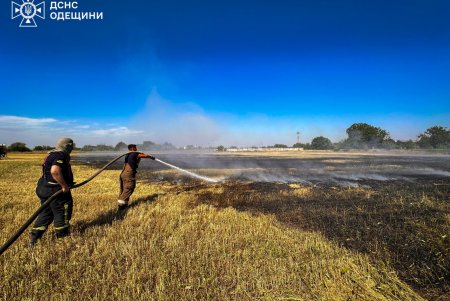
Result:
{"points": [[60, 209], [133, 160]]}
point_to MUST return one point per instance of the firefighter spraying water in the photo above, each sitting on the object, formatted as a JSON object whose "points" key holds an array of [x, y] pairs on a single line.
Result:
{"points": [[57, 194], [128, 175], [129, 171]]}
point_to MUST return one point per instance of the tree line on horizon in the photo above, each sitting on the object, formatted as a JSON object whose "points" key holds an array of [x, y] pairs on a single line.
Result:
{"points": [[366, 136], [120, 146], [360, 136]]}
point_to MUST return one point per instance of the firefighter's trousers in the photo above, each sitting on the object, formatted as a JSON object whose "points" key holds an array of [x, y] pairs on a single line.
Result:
{"points": [[59, 211], [127, 183]]}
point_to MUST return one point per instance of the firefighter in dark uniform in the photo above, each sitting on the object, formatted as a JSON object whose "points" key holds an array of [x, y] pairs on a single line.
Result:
{"points": [[2, 150], [56, 175], [128, 175]]}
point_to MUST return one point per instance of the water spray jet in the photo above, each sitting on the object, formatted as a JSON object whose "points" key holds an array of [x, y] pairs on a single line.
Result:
{"points": [[192, 174]]}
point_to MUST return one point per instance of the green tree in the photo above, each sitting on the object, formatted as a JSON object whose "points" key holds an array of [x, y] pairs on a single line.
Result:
{"points": [[42, 148], [435, 137], [19, 147], [278, 145], [321, 143], [409, 144], [88, 148], [148, 145], [221, 148], [363, 135], [104, 147], [167, 146], [120, 146], [389, 144], [298, 145]]}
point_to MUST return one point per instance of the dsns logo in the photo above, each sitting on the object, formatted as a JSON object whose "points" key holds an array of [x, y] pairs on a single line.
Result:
{"points": [[27, 10]]}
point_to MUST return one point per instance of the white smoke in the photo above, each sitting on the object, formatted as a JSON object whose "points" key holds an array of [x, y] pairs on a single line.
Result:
{"points": [[183, 123], [180, 124]]}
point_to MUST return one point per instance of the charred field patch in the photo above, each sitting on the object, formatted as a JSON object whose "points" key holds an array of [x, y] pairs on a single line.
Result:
{"points": [[403, 225]]}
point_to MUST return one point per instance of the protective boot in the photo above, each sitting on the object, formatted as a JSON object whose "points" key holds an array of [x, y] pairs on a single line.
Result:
{"points": [[35, 235], [60, 233], [122, 205]]}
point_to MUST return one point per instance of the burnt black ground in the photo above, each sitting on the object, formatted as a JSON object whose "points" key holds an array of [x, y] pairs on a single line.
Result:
{"points": [[344, 169]]}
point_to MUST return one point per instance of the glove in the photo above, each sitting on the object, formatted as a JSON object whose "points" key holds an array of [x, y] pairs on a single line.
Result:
{"points": [[151, 157]]}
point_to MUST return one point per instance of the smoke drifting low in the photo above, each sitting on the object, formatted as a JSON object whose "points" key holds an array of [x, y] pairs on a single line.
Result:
{"points": [[344, 176], [186, 123], [182, 124], [336, 169]]}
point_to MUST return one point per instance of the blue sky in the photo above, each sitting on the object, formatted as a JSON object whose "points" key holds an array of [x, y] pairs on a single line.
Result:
{"points": [[225, 72]]}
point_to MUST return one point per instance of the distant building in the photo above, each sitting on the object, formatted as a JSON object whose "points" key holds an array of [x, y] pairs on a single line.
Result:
{"points": [[264, 149], [191, 147]]}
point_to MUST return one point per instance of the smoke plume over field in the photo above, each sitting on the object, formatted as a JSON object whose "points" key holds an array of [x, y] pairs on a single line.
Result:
{"points": [[184, 123], [332, 169]]}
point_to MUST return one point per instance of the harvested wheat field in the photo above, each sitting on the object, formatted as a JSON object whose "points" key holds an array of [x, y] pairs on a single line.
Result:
{"points": [[300, 227]]}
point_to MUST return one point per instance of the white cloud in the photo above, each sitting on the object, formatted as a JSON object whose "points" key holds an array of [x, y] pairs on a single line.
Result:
{"points": [[26, 121], [46, 131], [83, 127], [118, 131]]}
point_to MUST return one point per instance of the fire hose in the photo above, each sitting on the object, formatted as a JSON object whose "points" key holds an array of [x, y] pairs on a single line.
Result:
{"points": [[53, 196], [48, 201]]}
